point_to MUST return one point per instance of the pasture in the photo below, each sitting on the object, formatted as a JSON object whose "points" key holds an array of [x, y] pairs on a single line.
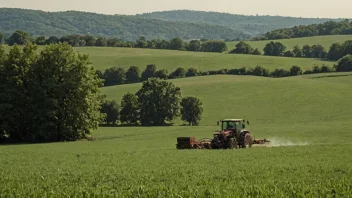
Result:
{"points": [[105, 57], [313, 112], [325, 41]]}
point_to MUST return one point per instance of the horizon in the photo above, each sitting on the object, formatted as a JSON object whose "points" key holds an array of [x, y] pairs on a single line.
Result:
{"points": [[111, 7]]}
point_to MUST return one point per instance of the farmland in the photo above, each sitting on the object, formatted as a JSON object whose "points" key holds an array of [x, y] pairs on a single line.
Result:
{"points": [[325, 41], [105, 57], [312, 111]]}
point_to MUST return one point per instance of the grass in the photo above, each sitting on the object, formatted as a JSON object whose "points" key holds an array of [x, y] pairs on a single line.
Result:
{"points": [[326, 41], [313, 111], [105, 57]]}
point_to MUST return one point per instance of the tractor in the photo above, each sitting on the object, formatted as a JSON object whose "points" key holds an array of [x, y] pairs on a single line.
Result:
{"points": [[232, 135]]}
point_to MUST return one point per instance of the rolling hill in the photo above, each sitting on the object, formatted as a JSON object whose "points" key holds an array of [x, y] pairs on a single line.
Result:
{"points": [[164, 25], [325, 41], [307, 118], [105, 57]]}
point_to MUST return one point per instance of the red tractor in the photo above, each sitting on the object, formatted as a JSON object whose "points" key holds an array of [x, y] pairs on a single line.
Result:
{"points": [[232, 135]]}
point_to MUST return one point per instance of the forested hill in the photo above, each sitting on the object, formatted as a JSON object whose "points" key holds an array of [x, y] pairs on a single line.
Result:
{"points": [[252, 25], [157, 25], [130, 28]]}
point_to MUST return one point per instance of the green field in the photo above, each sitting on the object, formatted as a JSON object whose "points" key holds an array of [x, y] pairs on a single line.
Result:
{"points": [[312, 114], [326, 41], [105, 57]]}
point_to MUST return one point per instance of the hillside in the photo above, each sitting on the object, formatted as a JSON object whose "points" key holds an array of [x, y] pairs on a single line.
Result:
{"points": [[308, 119], [325, 41], [123, 27], [105, 57], [159, 25], [252, 25]]}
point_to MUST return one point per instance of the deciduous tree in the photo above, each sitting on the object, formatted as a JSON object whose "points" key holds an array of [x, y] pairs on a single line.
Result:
{"points": [[191, 110]]}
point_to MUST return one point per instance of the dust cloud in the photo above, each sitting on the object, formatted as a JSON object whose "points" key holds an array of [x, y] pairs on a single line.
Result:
{"points": [[277, 142]]}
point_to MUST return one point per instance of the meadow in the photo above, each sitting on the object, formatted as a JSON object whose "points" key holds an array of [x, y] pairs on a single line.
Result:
{"points": [[311, 113], [325, 41], [106, 57]]}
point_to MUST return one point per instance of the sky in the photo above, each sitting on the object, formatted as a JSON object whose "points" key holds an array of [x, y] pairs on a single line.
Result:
{"points": [[296, 8]]}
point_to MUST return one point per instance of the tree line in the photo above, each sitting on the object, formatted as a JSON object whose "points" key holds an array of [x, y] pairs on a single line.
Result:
{"points": [[21, 38], [327, 28], [156, 103], [336, 51], [53, 95], [48, 96], [118, 75]]}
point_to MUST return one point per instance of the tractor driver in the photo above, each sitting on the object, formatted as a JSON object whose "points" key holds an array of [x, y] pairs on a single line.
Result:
{"points": [[230, 126]]}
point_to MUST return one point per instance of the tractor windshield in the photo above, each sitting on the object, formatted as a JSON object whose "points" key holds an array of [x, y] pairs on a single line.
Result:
{"points": [[230, 125]]}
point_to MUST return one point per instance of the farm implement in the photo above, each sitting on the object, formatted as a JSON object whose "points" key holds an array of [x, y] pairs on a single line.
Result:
{"points": [[233, 135]]}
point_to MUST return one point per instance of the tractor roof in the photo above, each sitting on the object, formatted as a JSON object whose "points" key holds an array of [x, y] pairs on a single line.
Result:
{"points": [[232, 120]]}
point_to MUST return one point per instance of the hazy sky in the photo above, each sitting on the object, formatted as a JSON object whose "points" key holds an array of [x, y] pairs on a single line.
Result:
{"points": [[298, 8]]}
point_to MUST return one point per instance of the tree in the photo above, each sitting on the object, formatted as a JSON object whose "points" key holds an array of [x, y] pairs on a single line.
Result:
{"points": [[129, 109], [52, 40], [344, 64], [90, 40], [192, 72], [178, 73], [40, 40], [242, 48], [114, 76], [50, 96], [132, 74], [191, 110], [336, 51], [214, 46], [15, 90], [277, 73], [111, 110], [256, 52], [19, 37], [177, 44], [101, 41], [113, 42], [2, 38], [289, 54], [162, 74], [158, 102], [194, 45], [318, 51], [295, 71], [307, 51], [66, 96], [274, 49], [141, 43], [149, 72], [297, 51]]}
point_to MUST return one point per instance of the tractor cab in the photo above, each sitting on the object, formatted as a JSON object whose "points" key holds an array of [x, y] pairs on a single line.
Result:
{"points": [[236, 125]]}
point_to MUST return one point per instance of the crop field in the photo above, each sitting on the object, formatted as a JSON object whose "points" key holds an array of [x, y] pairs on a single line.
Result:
{"points": [[105, 57], [325, 41], [308, 118]]}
